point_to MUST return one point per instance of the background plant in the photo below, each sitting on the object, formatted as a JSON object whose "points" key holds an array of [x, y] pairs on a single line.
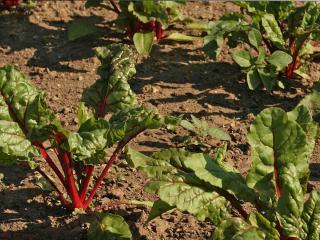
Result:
{"points": [[276, 185], [29, 128], [278, 38], [143, 21]]}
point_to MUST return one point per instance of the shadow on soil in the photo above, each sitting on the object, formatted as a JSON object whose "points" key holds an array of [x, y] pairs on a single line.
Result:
{"points": [[50, 42], [179, 66]]}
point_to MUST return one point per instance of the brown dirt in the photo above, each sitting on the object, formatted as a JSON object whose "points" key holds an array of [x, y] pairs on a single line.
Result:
{"points": [[177, 79]]}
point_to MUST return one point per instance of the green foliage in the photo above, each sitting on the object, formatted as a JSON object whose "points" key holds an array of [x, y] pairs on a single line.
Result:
{"points": [[277, 39], [26, 122], [209, 188], [109, 226], [146, 20]]}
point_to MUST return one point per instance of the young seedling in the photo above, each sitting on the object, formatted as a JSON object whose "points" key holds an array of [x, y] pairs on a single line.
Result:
{"points": [[28, 128], [275, 186]]}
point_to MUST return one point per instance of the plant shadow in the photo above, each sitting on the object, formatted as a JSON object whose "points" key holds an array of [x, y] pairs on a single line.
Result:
{"points": [[49, 41]]}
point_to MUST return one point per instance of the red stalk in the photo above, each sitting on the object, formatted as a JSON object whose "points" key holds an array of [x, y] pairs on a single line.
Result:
{"points": [[50, 162], [60, 194], [76, 202], [103, 174], [86, 183]]}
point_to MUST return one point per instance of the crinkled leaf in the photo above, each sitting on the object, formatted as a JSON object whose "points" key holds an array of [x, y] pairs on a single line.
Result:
{"points": [[84, 114], [109, 226], [220, 174], [273, 30], [177, 185], [275, 141], [312, 102], [237, 229], [311, 218], [24, 117], [279, 59], [259, 221], [112, 91], [290, 203], [143, 42], [178, 192], [242, 58]]}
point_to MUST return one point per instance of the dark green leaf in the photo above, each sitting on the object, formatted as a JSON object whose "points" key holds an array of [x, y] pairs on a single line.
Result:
{"points": [[159, 207], [112, 91]]}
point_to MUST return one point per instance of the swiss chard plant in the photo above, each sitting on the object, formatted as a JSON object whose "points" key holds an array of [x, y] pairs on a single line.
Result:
{"points": [[145, 21], [278, 205], [278, 37], [29, 129]]}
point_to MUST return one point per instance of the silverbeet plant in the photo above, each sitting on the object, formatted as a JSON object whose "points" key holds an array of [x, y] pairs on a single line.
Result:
{"points": [[28, 128], [279, 38], [275, 188], [145, 21]]}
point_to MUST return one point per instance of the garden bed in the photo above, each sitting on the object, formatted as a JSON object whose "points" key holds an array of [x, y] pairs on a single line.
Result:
{"points": [[176, 79]]}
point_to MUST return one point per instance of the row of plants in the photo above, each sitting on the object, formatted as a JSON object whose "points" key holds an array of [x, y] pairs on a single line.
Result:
{"points": [[277, 39]]}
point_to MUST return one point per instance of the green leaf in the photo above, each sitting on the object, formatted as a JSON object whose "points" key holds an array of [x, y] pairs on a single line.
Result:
{"points": [[290, 203], [179, 37], [273, 30], [255, 38], [253, 79], [84, 114], [112, 91], [143, 42], [311, 217], [277, 141], [177, 186], [188, 125], [242, 58], [186, 197], [80, 28], [198, 25], [312, 102], [212, 45], [237, 229], [267, 78], [24, 117], [259, 221], [109, 226], [220, 174], [159, 207], [279, 59], [218, 133]]}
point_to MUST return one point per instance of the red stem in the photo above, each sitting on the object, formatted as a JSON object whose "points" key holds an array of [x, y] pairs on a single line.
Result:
{"points": [[86, 183], [103, 174], [76, 202], [50, 162], [60, 194], [71, 186]]}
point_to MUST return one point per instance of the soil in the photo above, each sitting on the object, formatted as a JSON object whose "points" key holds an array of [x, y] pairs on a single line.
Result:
{"points": [[176, 79]]}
